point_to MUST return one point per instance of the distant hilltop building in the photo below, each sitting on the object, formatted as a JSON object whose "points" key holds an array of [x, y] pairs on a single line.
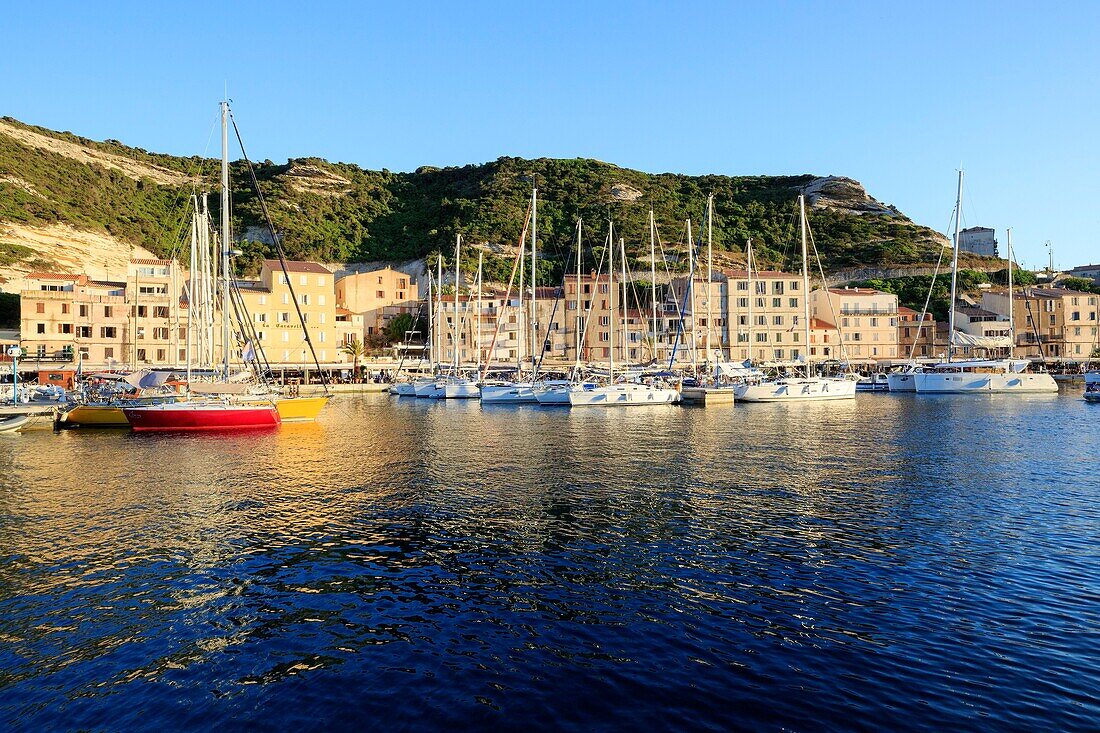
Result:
{"points": [[1092, 272], [978, 241]]}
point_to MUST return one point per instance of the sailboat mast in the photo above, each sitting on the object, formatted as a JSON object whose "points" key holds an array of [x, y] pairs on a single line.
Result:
{"points": [[710, 274], [458, 252], [805, 283], [752, 295], [431, 321], [691, 297], [439, 308], [534, 280], [653, 279], [477, 313], [577, 321], [611, 299], [226, 239], [521, 330], [954, 271], [626, 328], [191, 285], [1011, 315]]}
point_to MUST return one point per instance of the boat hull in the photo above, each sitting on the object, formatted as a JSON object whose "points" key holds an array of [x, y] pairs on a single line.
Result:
{"points": [[427, 389], [709, 395], [622, 395], [507, 393], [191, 418], [979, 383], [798, 390], [903, 382], [300, 409], [403, 389], [109, 415]]}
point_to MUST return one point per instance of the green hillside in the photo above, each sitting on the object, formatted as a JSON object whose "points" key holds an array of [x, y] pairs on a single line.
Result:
{"points": [[341, 212]]}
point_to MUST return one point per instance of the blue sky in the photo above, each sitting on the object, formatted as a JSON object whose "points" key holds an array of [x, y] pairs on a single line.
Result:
{"points": [[896, 96]]}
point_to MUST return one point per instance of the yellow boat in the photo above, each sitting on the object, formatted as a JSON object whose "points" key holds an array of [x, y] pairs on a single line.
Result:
{"points": [[300, 409], [295, 409], [108, 414]]}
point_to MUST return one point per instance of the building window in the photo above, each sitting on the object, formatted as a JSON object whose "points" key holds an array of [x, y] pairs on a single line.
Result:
{"points": [[108, 311], [141, 355], [84, 332], [161, 333], [109, 352], [304, 298], [161, 311], [108, 332], [777, 320], [302, 279], [320, 300], [777, 302], [41, 328], [65, 328], [141, 332], [64, 307], [161, 355], [40, 307], [794, 285]]}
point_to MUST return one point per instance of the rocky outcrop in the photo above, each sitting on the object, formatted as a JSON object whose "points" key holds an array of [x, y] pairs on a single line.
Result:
{"points": [[846, 195], [308, 178], [88, 155]]}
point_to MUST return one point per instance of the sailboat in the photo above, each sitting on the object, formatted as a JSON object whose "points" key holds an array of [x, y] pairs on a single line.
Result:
{"points": [[810, 387], [235, 409], [556, 391], [710, 388], [454, 385], [623, 393], [986, 376], [520, 390]]}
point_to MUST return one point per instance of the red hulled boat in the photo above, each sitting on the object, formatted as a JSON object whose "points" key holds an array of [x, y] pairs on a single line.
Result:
{"points": [[192, 416]]}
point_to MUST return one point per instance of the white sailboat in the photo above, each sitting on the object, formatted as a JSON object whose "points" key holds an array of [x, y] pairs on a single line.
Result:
{"points": [[986, 376], [518, 391], [617, 393], [455, 386], [810, 387]]}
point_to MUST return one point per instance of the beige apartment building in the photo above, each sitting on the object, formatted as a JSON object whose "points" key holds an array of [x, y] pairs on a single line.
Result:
{"points": [[271, 305], [143, 321], [1049, 322], [378, 296], [110, 324], [868, 320]]}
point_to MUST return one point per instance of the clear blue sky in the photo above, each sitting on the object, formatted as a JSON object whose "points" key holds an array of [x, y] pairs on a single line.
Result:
{"points": [[897, 96]]}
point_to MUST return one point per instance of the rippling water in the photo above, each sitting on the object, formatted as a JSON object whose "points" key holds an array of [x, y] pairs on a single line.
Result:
{"points": [[891, 562]]}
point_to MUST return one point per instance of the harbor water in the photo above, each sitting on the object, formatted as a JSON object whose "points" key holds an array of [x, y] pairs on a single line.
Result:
{"points": [[889, 562]]}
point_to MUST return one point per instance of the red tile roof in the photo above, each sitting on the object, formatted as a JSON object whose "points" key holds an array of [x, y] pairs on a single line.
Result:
{"points": [[818, 323], [762, 274], [856, 291], [52, 276], [150, 262]]}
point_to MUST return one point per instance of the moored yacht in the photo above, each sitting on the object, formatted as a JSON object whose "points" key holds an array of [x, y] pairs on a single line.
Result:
{"points": [[1000, 376]]}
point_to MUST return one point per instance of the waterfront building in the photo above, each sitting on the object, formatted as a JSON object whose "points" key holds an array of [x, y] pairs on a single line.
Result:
{"points": [[132, 323], [270, 304], [979, 241], [917, 337], [1052, 323], [378, 296], [868, 320], [141, 321]]}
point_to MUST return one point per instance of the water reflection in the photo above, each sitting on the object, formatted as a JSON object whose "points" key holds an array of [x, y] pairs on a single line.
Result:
{"points": [[425, 564]]}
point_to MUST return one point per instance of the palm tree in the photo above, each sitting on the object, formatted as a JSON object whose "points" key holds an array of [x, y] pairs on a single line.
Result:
{"points": [[355, 350]]}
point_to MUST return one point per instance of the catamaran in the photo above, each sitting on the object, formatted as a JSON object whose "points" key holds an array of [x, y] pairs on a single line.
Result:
{"points": [[810, 387], [985, 376]]}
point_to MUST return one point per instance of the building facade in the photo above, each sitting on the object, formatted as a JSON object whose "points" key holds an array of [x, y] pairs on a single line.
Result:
{"points": [[868, 321], [378, 296], [144, 321], [1051, 323], [979, 241]]}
